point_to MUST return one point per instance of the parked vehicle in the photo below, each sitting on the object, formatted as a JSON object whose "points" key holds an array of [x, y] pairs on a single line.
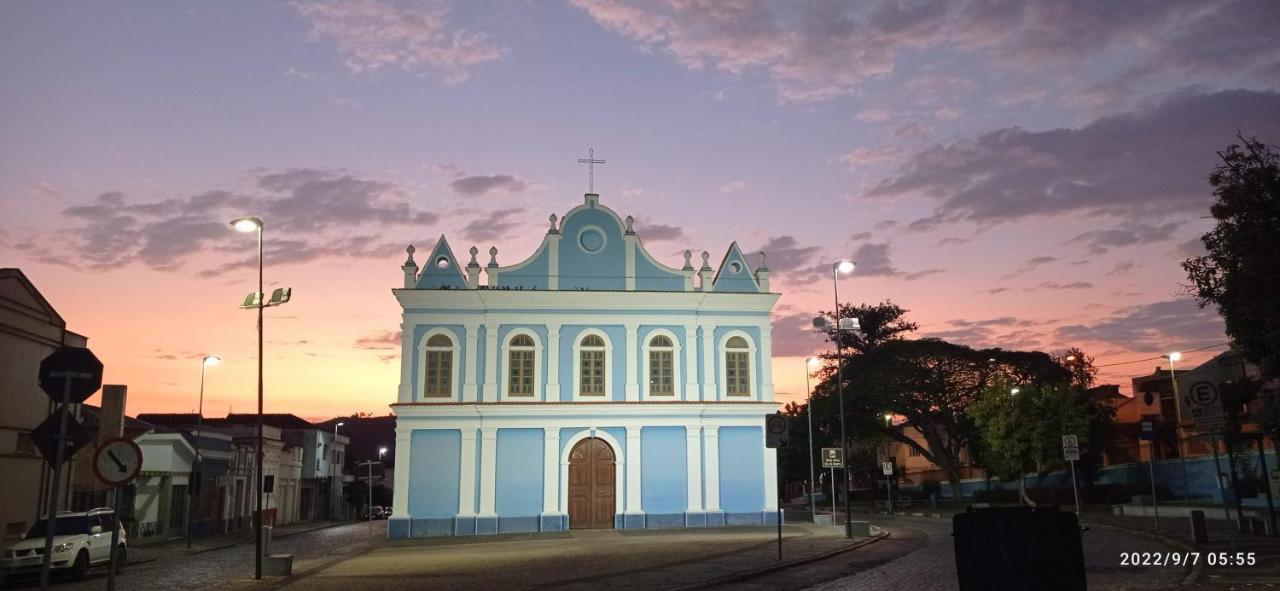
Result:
{"points": [[80, 541]]}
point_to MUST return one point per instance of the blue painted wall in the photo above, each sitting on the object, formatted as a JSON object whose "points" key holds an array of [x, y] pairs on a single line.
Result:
{"points": [[582, 270], [458, 333], [741, 469], [519, 468], [433, 480], [650, 277], [664, 474], [531, 276]]}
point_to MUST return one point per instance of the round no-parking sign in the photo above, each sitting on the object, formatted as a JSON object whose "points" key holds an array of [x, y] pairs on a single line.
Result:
{"points": [[117, 461]]}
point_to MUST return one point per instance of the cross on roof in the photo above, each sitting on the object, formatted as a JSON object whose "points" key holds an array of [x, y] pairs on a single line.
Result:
{"points": [[591, 163]]}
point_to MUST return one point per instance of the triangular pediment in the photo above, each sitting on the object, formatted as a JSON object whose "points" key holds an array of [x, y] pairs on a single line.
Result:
{"points": [[734, 273], [440, 270]]}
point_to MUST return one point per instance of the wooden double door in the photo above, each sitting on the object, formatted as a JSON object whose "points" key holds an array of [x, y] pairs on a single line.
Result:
{"points": [[592, 485]]}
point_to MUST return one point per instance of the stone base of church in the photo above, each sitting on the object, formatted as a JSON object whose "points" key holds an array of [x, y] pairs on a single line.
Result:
{"points": [[399, 528]]}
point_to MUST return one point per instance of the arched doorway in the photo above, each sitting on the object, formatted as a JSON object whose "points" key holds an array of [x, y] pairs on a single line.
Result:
{"points": [[591, 485]]}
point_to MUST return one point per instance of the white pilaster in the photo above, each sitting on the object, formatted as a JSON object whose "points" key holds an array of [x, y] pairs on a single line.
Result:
{"points": [[550, 470], [629, 349], [693, 461], [553, 261], [633, 470], [629, 254], [691, 363], [491, 362], [552, 391], [766, 365], [488, 471], [471, 371], [406, 364], [770, 479], [467, 476], [711, 443], [400, 488], [709, 390]]}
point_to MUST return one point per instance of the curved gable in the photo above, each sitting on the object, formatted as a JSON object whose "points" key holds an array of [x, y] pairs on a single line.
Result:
{"points": [[592, 248]]}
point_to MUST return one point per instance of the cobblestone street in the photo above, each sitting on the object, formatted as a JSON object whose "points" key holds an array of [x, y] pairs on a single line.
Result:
{"points": [[170, 566]]}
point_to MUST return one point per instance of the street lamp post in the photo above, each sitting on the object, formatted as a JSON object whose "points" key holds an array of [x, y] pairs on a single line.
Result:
{"points": [[253, 224], [381, 450], [810, 363], [204, 363], [334, 490], [844, 266], [1177, 432]]}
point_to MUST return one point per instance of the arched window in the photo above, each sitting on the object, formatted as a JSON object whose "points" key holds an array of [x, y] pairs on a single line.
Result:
{"points": [[661, 366], [737, 367], [591, 366], [520, 364], [438, 379]]}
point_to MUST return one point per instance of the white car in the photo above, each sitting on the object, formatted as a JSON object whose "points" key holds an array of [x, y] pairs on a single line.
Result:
{"points": [[80, 540]]}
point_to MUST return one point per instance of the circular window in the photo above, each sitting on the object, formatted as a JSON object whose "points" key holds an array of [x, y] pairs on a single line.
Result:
{"points": [[442, 263], [735, 267], [591, 239]]}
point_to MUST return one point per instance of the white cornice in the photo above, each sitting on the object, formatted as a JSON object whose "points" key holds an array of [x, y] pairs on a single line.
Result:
{"points": [[568, 411], [497, 300]]}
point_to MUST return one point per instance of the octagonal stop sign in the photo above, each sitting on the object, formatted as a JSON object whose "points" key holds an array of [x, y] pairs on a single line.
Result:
{"points": [[75, 366]]}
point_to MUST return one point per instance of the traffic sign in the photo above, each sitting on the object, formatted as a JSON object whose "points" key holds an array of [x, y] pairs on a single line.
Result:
{"points": [[117, 461], [76, 365], [832, 457], [1147, 430], [775, 430], [887, 468], [45, 438], [1070, 448], [1204, 406]]}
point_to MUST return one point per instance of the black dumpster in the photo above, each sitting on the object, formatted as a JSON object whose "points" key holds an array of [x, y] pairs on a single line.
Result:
{"points": [[1018, 548]]}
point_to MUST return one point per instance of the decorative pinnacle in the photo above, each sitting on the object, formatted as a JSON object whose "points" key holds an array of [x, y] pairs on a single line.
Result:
{"points": [[705, 257], [409, 261], [553, 224], [687, 257], [763, 266], [493, 256], [630, 221], [474, 251]]}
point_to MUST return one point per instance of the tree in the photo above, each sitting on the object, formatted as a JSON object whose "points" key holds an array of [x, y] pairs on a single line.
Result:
{"points": [[1022, 432], [1241, 268], [880, 323], [931, 384], [1080, 364]]}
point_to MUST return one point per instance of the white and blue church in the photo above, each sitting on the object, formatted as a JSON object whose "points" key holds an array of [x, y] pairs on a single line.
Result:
{"points": [[587, 386]]}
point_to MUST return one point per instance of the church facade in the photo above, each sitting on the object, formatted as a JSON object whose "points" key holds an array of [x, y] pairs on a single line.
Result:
{"points": [[588, 386]]}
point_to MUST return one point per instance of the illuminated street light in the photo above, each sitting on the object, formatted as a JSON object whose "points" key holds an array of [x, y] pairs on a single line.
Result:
{"points": [[842, 266], [207, 361], [1014, 391], [1175, 356], [247, 224]]}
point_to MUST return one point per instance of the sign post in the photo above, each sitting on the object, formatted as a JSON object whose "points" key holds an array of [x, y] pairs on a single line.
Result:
{"points": [[68, 375], [887, 468], [776, 430], [1071, 452], [116, 463], [833, 457], [1148, 433]]}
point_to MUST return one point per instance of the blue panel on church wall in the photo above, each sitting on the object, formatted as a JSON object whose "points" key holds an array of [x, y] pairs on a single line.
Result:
{"points": [[756, 518], [741, 469], [664, 477], [464, 526], [663, 520], [518, 524], [486, 525], [519, 472], [531, 276], [604, 269], [695, 519], [650, 277], [398, 528], [633, 521], [457, 332], [431, 527], [715, 518], [433, 476], [562, 312]]}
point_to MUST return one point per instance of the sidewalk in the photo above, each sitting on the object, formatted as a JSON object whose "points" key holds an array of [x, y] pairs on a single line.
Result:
{"points": [[1265, 570], [159, 550]]}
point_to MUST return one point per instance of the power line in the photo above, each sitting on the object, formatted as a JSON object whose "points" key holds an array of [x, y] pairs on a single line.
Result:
{"points": [[1158, 357]]}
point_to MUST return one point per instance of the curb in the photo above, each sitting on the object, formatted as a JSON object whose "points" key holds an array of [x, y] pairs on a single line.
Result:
{"points": [[210, 549], [307, 531], [1197, 569], [742, 576]]}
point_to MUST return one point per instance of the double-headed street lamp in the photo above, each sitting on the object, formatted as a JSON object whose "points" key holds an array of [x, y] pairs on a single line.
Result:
{"points": [[851, 324], [257, 300], [204, 364]]}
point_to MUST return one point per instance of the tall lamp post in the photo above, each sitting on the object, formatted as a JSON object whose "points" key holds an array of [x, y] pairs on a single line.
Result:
{"points": [[334, 490], [810, 364], [844, 266], [253, 224], [204, 363], [381, 450], [1177, 432]]}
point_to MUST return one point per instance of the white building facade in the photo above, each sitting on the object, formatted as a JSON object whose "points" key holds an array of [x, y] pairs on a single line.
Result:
{"points": [[588, 386]]}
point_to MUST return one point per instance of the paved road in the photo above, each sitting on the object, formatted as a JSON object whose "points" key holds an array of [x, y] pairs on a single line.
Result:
{"points": [[176, 570], [932, 566]]}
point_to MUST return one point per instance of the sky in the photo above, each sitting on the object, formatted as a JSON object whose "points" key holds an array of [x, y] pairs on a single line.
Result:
{"points": [[1025, 176]]}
